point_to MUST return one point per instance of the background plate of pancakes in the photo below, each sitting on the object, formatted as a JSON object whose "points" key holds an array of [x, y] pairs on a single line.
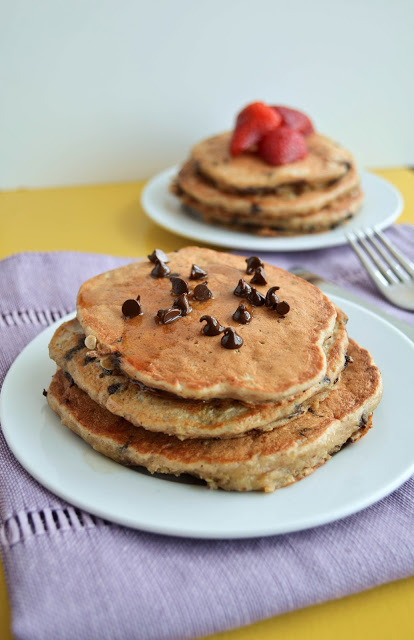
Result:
{"points": [[382, 205], [357, 477]]}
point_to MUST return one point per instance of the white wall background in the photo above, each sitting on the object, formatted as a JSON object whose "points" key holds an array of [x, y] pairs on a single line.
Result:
{"points": [[111, 90]]}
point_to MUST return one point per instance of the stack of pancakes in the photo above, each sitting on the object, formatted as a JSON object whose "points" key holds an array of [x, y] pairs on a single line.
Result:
{"points": [[314, 194], [172, 399]]}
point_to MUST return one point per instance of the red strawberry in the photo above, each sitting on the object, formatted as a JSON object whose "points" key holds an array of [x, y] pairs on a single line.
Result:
{"points": [[282, 145], [295, 120], [252, 123]]}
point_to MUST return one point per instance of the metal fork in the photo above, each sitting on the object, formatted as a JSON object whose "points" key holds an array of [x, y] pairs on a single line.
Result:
{"points": [[389, 270]]}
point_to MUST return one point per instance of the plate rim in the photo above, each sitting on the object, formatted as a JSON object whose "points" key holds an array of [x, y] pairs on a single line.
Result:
{"points": [[335, 514], [281, 244]]}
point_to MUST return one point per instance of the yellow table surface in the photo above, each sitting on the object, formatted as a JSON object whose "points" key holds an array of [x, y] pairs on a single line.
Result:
{"points": [[109, 219]]}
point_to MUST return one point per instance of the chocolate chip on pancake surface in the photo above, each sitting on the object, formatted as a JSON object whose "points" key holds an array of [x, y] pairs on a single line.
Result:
{"points": [[168, 357]]}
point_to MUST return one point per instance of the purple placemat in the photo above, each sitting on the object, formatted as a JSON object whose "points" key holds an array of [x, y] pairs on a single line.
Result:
{"points": [[72, 575]]}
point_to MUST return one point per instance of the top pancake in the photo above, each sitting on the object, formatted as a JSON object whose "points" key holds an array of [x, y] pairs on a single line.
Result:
{"points": [[280, 356], [326, 161]]}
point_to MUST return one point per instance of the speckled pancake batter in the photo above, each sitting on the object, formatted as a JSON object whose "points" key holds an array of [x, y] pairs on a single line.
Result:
{"points": [[280, 355], [287, 201], [326, 160], [174, 415], [264, 461]]}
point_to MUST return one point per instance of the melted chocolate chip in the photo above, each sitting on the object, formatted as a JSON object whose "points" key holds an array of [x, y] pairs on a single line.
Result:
{"points": [[131, 308], [243, 289], [81, 345], [158, 254], [271, 297], [259, 276], [253, 263], [256, 298], [326, 380], [197, 273], [113, 388], [88, 360], [242, 315], [255, 208], [165, 316], [282, 308], [231, 339], [182, 303], [363, 422], [202, 292], [179, 286], [213, 326], [160, 270]]}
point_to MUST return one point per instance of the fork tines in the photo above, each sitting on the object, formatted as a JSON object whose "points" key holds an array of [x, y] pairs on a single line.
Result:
{"points": [[389, 269]]}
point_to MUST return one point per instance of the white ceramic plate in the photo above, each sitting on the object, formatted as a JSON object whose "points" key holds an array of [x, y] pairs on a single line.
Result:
{"points": [[382, 205], [355, 478]]}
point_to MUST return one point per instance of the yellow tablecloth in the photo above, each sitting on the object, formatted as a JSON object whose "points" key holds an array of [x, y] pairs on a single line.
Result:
{"points": [[109, 219]]}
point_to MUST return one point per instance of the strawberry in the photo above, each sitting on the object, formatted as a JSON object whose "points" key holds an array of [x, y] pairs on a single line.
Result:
{"points": [[295, 120], [282, 145], [252, 123]]}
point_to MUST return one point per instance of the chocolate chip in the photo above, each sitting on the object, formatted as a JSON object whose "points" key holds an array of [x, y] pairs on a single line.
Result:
{"points": [[231, 339], [243, 289], [259, 276], [255, 208], [131, 308], [253, 263], [347, 166], [271, 297], [213, 326], [256, 298], [242, 315], [165, 316], [363, 422], [69, 378], [179, 286], [197, 273], [326, 380], [282, 308], [88, 360], [182, 303], [44, 392], [160, 270], [158, 254], [113, 388], [202, 292]]}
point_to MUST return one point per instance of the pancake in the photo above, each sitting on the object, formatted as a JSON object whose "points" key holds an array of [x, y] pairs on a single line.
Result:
{"points": [[185, 418], [338, 212], [280, 356], [264, 461], [287, 201], [325, 161]]}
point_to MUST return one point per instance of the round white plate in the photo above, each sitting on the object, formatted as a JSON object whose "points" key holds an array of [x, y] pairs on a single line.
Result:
{"points": [[382, 205], [355, 478]]}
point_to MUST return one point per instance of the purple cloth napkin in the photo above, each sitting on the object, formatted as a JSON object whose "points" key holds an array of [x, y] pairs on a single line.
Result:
{"points": [[72, 575]]}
